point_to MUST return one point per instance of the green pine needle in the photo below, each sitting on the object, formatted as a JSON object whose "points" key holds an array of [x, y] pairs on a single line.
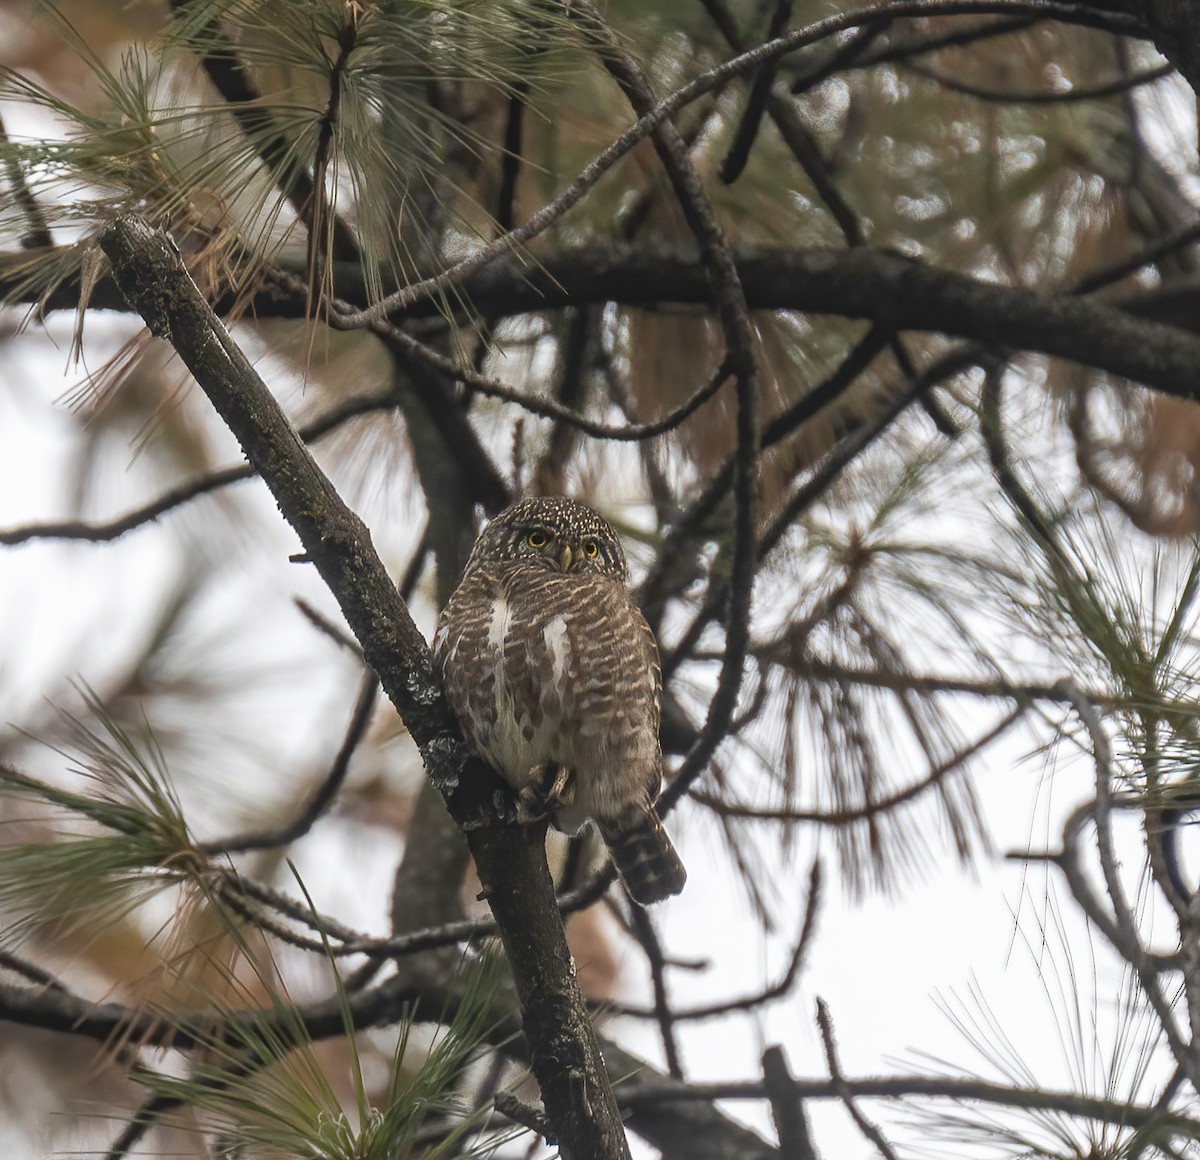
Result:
{"points": [[119, 840]]}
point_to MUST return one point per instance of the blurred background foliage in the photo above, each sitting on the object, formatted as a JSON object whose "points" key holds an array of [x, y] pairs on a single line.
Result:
{"points": [[912, 602]]}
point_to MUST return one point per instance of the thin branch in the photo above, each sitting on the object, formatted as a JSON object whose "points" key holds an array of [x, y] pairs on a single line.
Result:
{"points": [[145, 1118], [108, 530], [796, 135], [38, 235], [1148, 966], [236, 888], [1170, 243], [66, 1012], [1120, 1112], [778, 990], [339, 941], [822, 477], [922, 46], [879, 678], [1130, 942], [548, 408], [871, 809], [324, 794], [844, 1093], [642, 929], [854, 47], [1069, 861], [1102, 812], [659, 114], [1112, 88], [990, 418], [756, 102], [581, 335], [651, 594], [510, 157], [30, 971], [327, 627], [740, 343]]}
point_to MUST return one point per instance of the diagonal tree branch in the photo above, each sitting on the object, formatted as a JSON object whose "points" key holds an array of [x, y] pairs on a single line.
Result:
{"points": [[564, 1053]]}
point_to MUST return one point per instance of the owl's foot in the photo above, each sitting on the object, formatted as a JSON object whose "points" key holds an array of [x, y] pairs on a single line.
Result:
{"points": [[551, 787]]}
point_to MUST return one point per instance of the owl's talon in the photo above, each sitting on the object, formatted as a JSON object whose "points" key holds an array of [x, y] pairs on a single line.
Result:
{"points": [[531, 806], [543, 797], [562, 790]]}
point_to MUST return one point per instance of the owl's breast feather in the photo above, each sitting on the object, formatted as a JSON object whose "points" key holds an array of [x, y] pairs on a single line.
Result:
{"points": [[529, 669]]}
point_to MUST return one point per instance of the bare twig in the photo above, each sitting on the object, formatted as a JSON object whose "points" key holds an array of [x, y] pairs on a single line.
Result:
{"points": [[642, 929], [1102, 812], [756, 102], [957, 37], [822, 477], [776, 990], [1110, 1111], [516, 1109], [325, 792], [38, 235], [104, 531], [741, 359], [145, 1118], [1069, 96], [844, 1093], [30, 971], [548, 408], [652, 594], [869, 809]]}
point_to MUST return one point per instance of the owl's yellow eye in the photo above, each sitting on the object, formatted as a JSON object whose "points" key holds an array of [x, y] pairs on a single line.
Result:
{"points": [[537, 539], [591, 549]]}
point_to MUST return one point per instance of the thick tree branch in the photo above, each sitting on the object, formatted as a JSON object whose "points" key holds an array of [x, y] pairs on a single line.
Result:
{"points": [[894, 292], [655, 1089], [511, 860]]}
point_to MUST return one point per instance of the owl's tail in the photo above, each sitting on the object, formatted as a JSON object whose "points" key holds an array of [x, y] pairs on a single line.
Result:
{"points": [[645, 857]]}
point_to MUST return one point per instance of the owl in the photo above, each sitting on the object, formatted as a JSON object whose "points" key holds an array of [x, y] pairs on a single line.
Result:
{"points": [[553, 674]]}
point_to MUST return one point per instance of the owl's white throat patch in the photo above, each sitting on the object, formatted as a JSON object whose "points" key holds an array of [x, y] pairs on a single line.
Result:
{"points": [[498, 624], [558, 648]]}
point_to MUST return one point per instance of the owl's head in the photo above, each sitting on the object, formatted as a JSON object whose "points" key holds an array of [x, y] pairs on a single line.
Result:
{"points": [[554, 532]]}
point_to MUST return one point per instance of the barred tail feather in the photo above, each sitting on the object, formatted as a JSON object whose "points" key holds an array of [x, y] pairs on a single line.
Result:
{"points": [[645, 857]]}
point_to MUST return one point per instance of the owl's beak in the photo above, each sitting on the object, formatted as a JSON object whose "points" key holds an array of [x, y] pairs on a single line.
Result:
{"points": [[564, 557]]}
